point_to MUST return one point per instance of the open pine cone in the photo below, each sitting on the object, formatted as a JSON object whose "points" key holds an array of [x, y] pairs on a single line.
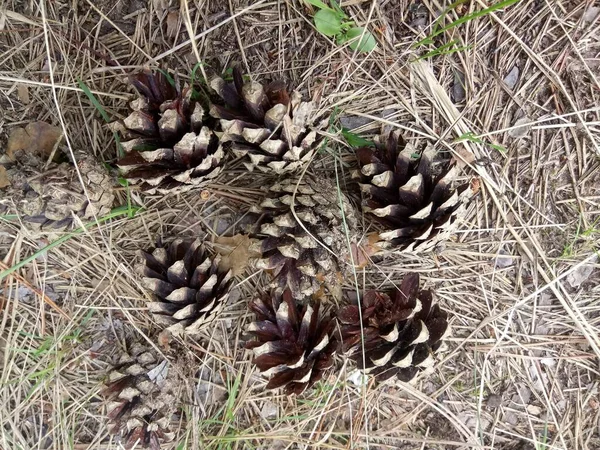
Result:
{"points": [[297, 260], [50, 196], [294, 345], [169, 146], [141, 392], [417, 204], [189, 288], [267, 126], [402, 330]]}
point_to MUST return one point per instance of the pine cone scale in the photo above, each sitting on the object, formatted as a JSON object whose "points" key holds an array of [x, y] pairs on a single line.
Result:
{"points": [[417, 207], [265, 126], [293, 345], [401, 330], [188, 287]]}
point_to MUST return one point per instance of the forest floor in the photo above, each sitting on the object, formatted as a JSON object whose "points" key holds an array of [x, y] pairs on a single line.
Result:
{"points": [[514, 93]]}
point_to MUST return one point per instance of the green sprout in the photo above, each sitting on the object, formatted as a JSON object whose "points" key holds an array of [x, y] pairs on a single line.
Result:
{"points": [[332, 21]]}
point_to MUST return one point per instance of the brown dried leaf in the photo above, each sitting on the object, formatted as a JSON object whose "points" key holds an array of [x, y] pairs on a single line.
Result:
{"points": [[36, 137], [463, 156], [361, 254], [235, 252], [475, 185], [23, 93], [172, 23], [4, 181]]}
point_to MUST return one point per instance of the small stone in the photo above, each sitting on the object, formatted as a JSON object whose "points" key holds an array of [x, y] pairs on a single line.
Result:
{"points": [[512, 78], [582, 273], [358, 378], [494, 401], [591, 13], [352, 122], [269, 410], [503, 260], [458, 87], [520, 129]]}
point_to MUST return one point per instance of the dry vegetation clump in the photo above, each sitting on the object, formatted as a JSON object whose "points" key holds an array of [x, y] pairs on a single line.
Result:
{"points": [[509, 96]]}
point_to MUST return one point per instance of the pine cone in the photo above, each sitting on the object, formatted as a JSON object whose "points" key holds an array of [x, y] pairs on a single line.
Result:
{"points": [[141, 392], [49, 197], [417, 205], [265, 125], [294, 346], [402, 330], [297, 260], [169, 146], [189, 288]]}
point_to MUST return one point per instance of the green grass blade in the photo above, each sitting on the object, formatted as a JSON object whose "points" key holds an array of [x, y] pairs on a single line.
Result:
{"points": [[445, 49], [94, 100], [168, 77], [475, 15], [319, 4], [120, 211], [354, 140]]}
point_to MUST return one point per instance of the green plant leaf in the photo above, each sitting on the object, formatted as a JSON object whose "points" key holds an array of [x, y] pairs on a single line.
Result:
{"points": [[336, 6], [354, 140], [168, 77], [319, 4], [437, 31], [193, 74], [366, 44], [92, 98], [328, 22]]}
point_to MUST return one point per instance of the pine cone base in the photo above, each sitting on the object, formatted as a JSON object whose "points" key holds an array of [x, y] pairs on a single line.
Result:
{"points": [[307, 225], [142, 392], [50, 196]]}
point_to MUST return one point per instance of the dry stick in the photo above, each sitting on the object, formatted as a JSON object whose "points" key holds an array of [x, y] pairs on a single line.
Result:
{"points": [[188, 26], [43, 296], [239, 40], [66, 88]]}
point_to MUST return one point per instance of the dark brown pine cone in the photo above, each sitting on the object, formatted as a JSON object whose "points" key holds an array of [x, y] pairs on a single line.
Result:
{"points": [[402, 330], [267, 126], [294, 345], [168, 144], [408, 193], [290, 249], [142, 391], [49, 196], [189, 288]]}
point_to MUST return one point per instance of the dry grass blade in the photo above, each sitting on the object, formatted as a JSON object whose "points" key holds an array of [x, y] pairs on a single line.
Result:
{"points": [[513, 93]]}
